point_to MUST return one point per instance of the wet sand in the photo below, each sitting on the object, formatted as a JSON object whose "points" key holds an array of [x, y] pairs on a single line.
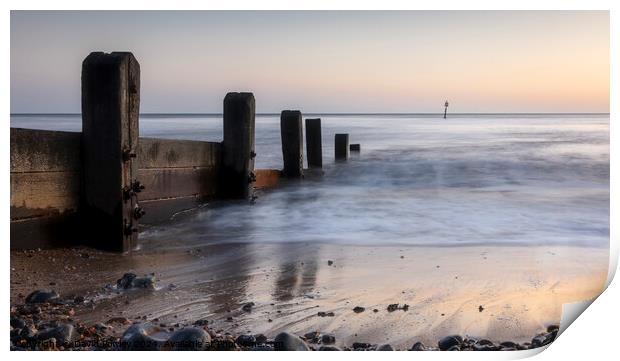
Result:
{"points": [[521, 289]]}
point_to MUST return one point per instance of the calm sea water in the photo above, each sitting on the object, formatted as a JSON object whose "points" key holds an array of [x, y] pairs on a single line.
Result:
{"points": [[419, 180]]}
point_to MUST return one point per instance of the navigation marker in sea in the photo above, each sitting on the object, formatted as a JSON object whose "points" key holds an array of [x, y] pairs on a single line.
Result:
{"points": [[445, 112]]}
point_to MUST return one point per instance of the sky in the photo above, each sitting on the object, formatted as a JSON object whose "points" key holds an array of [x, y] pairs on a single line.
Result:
{"points": [[323, 61]]}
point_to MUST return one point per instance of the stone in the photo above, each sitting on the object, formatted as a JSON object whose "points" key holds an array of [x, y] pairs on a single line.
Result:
{"points": [[312, 336], [285, 341], [359, 309], [418, 346], [42, 296], [329, 348], [246, 340], [552, 328], [260, 338], [360, 345], [385, 347], [508, 344], [130, 280], [328, 339], [139, 337], [325, 314], [248, 306], [329, 263], [17, 322], [63, 334], [189, 339], [454, 348], [449, 341]]}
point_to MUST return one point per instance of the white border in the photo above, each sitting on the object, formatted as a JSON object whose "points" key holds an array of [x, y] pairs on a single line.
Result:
{"points": [[593, 335]]}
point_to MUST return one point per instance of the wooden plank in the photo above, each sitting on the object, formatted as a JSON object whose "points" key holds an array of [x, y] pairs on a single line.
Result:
{"points": [[170, 153], [45, 232], [178, 182], [110, 110], [266, 178], [291, 132], [38, 194], [162, 210], [34, 150]]}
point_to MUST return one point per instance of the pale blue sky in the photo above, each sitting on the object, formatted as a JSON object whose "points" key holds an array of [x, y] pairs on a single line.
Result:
{"points": [[482, 61]]}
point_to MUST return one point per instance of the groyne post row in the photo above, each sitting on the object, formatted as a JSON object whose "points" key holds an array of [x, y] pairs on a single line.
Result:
{"points": [[94, 187]]}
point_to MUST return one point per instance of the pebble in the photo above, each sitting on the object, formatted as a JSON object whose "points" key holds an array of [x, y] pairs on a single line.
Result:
{"points": [[63, 334], [360, 345], [17, 322], [260, 338], [41, 296], [328, 339], [285, 341], [130, 280], [246, 340], [312, 336], [325, 314], [359, 309], [418, 346], [138, 338], [329, 263], [329, 348], [248, 306], [449, 341], [189, 339], [385, 347]]}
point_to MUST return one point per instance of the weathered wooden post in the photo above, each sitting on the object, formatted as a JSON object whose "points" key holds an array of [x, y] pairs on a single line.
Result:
{"points": [[313, 143], [292, 143], [110, 110], [238, 153], [341, 146]]}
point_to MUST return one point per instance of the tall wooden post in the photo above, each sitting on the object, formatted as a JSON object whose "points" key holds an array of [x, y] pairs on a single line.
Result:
{"points": [[238, 153], [292, 143], [314, 147], [341, 146], [110, 110]]}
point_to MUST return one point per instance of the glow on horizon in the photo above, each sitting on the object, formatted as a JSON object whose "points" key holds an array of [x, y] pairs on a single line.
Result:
{"points": [[351, 61]]}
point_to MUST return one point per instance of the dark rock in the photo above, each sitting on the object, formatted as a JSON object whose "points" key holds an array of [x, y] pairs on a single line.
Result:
{"points": [[543, 339], [325, 314], [329, 263], [17, 322], [454, 348], [480, 308], [509, 344], [260, 338], [125, 281], [385, 347], [329, 348], [312, 336], [449, 341], [248, 306], [484, 342], [360, 345], [27, 332], [328, 339], [130, 280], [78, 299], [552, 328], [63, 334], [479, 347], [395, 306], [246, 340], [139, 336], [418, 346], [224, 345], [41, 296], [285, 341], [359, 309], [189, 339], [202, 322]]}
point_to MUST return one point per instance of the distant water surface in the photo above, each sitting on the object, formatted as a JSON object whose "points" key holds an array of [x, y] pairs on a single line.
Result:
{"points": [[419, 180]]}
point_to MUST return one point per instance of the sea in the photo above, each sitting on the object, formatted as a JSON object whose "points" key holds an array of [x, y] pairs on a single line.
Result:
{"points": [[419, 180]]}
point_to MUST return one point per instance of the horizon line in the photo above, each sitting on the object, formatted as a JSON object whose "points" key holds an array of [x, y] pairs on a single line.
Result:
{"points": [[344, 113]]}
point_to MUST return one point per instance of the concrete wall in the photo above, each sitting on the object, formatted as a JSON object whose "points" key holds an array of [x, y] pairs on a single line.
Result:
{"points": [[46, 183]]}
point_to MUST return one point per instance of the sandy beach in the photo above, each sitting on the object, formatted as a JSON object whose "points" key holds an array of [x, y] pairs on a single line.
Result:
{"points": [[499, 293]]}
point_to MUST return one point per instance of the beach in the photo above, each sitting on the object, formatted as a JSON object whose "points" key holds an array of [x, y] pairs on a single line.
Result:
{"points": [[498, 293]]}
